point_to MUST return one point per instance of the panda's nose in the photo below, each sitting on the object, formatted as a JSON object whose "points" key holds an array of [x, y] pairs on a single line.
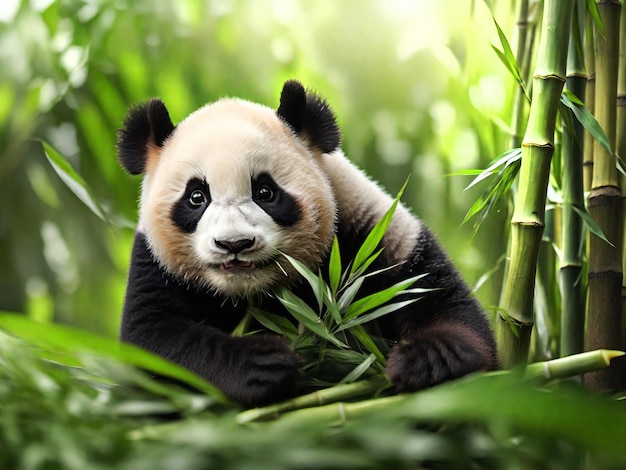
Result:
{"points": [[235, 246]]}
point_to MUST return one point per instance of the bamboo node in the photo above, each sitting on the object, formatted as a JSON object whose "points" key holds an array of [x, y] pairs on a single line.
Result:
{"points": [[599, 195], [549, 76], [605, 274], [516, 322], [542, 145]]}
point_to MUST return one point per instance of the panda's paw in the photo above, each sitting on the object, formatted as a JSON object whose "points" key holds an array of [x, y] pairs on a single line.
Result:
{"points": [[437, 355], [264, 370]]}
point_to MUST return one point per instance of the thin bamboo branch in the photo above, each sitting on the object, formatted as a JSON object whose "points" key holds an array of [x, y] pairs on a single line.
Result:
{"points": [[322, 397], [537, 148], [570, 274]]}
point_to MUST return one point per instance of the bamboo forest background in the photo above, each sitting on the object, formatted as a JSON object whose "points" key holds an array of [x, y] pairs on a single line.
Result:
{"points": [[510, 117], [417, 91]]}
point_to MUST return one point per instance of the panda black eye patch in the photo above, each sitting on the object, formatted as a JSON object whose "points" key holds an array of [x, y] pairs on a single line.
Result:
{"points": [[281, 206], [186, 213]]}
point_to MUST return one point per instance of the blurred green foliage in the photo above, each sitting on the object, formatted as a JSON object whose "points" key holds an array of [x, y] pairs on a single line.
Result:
{"points": [[72, 404], [415, 85]]}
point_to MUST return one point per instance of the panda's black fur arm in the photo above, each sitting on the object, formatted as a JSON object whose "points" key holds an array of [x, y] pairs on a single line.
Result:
{"points": [[443, 335], [191, 327]]}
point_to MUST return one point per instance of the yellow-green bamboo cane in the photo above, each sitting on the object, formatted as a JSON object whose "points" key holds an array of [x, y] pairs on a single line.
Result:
{"points": [[590, 100], [570, 274], [621, 135], [519, 108], [603, 326], [537, 148]]}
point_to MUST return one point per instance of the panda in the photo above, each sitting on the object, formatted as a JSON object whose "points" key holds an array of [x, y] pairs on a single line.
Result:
{"points": [[230, 189]]}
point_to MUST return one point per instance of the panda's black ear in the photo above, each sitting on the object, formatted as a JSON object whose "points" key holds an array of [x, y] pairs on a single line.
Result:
{"points": [[309, 116], [144, 130]]}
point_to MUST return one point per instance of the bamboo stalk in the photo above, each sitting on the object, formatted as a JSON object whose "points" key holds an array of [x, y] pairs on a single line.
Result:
{"points": [[522, 57], [590, 100], [571, 366], [322, 397], [527, 222], [570, 274], [604, 322], [621, 137]]}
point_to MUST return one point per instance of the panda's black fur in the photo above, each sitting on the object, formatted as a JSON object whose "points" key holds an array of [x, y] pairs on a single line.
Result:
{"points": [[174, 310]]}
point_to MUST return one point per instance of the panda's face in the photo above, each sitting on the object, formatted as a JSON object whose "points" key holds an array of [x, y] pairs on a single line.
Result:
{"points": [[230, 190]]}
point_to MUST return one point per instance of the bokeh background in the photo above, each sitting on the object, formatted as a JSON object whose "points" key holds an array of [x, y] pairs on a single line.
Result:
{"points": [[415, 84]]}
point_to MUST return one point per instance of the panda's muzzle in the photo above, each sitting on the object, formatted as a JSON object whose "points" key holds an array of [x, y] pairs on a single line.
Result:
{"points": [[238, 264], [235, 246]]}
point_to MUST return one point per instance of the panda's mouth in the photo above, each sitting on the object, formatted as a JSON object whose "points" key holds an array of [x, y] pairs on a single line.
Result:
{"points": [[238, 265]]}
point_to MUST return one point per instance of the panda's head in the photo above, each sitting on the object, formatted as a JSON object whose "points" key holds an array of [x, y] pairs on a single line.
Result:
{"points": [[232, 187]]}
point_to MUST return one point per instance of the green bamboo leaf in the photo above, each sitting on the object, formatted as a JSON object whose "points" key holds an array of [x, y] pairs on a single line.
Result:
{"points": [[331, 305], [312, 278], [378, 298], [275, 323], [366, 264], [368, 343], [305, 315], [592, 8], [376, 234], [73, 180], [350, 293], [358, 371], [71, 340], [468, 172], [505, 159], [587, 119], [485, 203], [591, 224], [508, 59], [334, 266], [379, 312]]}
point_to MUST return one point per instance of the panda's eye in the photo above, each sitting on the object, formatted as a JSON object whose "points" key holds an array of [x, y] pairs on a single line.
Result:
{"points": [[197, 198], [265, 193]]}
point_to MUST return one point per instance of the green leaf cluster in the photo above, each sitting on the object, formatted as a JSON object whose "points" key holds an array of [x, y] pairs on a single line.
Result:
{"points": [[337, 336], [80, 403]]}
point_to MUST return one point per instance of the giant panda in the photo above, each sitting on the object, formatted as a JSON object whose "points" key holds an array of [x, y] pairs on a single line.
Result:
{"points": [[225, 193]]}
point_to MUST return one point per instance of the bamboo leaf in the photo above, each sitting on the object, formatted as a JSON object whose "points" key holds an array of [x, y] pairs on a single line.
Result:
{"points": [[73, 180], [304, 314], [587, 119], [378, 298], [485, 203], [366, 264], [368, 343], [376, 234], [379, 312], [350, 293], [275, 323], [312, 279], [358, 371], [71, 340], [505, 159], [508, 59], [591, 224], [334, 266], [592, 8], [332, 305]]}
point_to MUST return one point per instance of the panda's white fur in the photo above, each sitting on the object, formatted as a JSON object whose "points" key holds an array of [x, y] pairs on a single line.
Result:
{"points": [[226, 143], [354, 189], [226, 193]]}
